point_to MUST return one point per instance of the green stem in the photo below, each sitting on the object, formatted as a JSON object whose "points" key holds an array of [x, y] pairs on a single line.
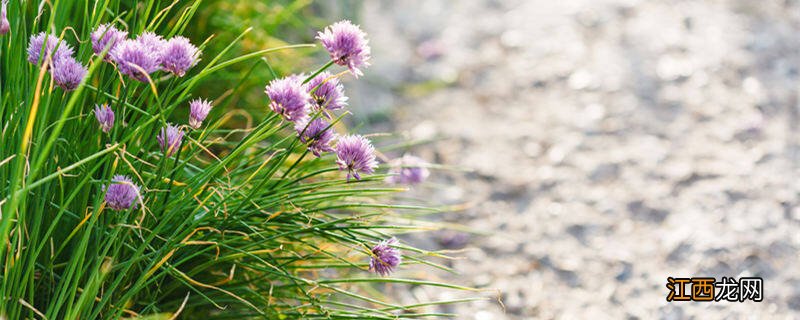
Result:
{"points": [[320, 70]]}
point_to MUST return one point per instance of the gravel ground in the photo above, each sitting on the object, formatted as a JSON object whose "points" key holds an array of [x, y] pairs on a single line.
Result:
{"points": [[612, 144]]}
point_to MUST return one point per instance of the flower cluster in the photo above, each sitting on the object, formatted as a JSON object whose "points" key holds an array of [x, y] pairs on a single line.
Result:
{"points": [[49, 50], [198, 111], [170, 139], [178, 55], [153, 43], [296, 99], [301, 101], [136, 58], [105, 116], [355, 154], [68, 73], [385, 257], [305, 101], [316, 134], [326, 93], [347, 45], [148, 53], [107, 36], [43, 43], [288, 97], [122, 193]]}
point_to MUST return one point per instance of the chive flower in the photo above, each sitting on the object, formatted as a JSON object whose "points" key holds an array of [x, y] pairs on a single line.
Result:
{"points": [[198, 111], [170, 139], [122, 193], [105, 116], [327, 93], [68, 73], [355, 154], [408, 170], [316, 134], [178, 55], [154, 43], [385, 257], [4, 25], [48, 42], [107, 35], [288, 98], [132, 57], [347, 45]]}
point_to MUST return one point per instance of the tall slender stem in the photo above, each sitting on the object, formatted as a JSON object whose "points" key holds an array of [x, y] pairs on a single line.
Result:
{"points": [[320, 70]]}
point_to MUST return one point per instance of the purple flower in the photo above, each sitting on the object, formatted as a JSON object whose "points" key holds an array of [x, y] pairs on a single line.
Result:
{"points": [[288, 98], [107, 35], [178, 55], [326, 95], [385, 257], [408, 170], [170, 139], [49, 43], [347, 45], [355, 153], [153, 43], [198, 111], [122, 193], [316, 135], [68, 73], [105, 116], [4, 25], [132, 57]]}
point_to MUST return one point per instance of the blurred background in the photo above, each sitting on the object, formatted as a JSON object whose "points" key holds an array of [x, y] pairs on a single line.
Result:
{"points": [[591, 148]]}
